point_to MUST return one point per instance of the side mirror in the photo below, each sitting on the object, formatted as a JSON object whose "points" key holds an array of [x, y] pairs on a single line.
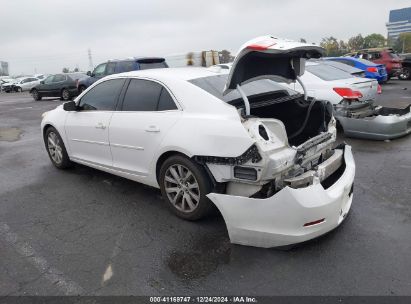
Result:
{"points": [[70, 106], [88, 73], [42, 82]]}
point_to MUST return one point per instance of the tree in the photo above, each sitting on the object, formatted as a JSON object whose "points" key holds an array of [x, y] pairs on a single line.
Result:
{"points": [[65, 70], [303, 40], [343, 47], [403, 43], [356, 43], [331, 46], [76, 69], [225, 56], [374, 41]]}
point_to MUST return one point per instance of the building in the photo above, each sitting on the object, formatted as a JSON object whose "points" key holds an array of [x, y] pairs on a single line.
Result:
{"points": [[4, 68], [399, 22]]}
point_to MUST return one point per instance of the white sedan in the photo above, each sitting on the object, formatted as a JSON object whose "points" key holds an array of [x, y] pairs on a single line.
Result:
{"points": [[353, 101], [260, 153]]}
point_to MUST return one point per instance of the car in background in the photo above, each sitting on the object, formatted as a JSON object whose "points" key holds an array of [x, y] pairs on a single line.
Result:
{"points": [[372, 70], [406, 67], [25, 84], [59, 85], [119, 66], [7, 84], [385, 56], [353, 102], [263, 154]]}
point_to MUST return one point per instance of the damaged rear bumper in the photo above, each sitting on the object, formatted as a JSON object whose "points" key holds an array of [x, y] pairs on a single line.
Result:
{"points": [[291, 215], [378, 127]]}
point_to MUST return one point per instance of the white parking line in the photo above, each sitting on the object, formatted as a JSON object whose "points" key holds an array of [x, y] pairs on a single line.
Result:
{"points": [[55, 276]]}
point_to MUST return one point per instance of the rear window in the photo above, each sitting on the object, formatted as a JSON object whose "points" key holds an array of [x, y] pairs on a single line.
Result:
{"points": [[215, 86], [326, 72], [152, 63]]}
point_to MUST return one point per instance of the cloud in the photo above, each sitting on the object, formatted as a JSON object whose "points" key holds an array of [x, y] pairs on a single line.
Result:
{"points": [[48, 35]]}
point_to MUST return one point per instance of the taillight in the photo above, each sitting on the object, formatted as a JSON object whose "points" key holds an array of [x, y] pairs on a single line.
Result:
{"points": [[347, 93], [372, 69], [379, 89]]}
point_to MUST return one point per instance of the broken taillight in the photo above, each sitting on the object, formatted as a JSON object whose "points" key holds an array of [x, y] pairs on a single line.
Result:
{"points": [[348, 93]]}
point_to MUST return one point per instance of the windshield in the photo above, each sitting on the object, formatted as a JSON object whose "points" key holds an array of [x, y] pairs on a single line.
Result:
{"points": [[215, 86], [327, 72]]}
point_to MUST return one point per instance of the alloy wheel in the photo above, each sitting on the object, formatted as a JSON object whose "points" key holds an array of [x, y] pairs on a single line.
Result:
{"points": [[65, 95], [182, 188], [55, 150]]}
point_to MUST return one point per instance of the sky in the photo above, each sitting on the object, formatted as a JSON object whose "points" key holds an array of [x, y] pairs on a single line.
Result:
{"points": [[43, 36]]}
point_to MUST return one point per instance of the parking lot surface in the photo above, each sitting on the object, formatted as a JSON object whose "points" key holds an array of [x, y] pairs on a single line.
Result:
{"points": [[87, 232]]}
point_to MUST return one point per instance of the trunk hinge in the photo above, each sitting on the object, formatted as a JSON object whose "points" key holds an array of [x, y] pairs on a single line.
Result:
{"points": [[245, 99], [303, 86]]}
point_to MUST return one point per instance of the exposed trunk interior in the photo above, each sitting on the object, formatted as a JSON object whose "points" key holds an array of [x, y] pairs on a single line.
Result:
{"points": [[302, 119]]}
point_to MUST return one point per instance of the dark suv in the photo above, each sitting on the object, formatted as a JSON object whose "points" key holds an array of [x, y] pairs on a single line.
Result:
{"points": [[406, 67], [385, 56], [120, 66]]}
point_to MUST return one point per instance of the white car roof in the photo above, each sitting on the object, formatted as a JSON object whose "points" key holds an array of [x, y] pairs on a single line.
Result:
{"points": [[185, 74]]}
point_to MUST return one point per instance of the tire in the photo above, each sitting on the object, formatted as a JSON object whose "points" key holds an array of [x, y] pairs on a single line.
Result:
{"points": [[56, 149], [65, 95], [188, 190], [36, 95], [18, 89], [405, 74]]}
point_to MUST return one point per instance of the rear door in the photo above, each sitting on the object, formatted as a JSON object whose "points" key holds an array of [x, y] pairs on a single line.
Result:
{"points": [[147, 113], [87, 129]]}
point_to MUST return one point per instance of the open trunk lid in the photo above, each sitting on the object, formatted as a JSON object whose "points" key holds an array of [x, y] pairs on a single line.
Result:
{"points": [[267, 57]]}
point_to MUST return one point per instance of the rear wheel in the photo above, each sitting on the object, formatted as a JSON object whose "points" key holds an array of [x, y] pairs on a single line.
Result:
{"points": [[56, 149], [405, 74], [36, 95], [65, 95], [184, 185]]}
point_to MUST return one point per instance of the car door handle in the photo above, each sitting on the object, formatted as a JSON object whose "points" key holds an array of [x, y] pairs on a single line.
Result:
{"points": [[100, 126], [152, 128]]}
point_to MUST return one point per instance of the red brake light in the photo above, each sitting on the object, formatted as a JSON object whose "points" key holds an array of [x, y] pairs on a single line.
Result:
{"points": [[347, 93], [372, 69], [379, 89], [262, 45]]}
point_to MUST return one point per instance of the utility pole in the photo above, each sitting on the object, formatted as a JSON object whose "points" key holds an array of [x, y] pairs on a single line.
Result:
{"points": [[90, 60]]}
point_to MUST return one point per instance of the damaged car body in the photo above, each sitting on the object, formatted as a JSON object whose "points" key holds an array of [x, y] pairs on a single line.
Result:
{"points": [[353, 99], [263, 154]]}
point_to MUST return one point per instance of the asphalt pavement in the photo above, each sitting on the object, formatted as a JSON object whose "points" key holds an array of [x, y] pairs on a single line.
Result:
{"points": [[87, 232]]}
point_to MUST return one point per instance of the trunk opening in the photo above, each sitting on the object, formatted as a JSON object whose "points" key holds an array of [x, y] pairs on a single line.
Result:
{"points": [[303, 119]]}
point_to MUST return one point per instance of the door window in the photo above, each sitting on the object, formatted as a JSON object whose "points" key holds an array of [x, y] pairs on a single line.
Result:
{"points": [[49, 80], [99, 70], [102, 97], [59, 78], [110, 68], [145, 95]]}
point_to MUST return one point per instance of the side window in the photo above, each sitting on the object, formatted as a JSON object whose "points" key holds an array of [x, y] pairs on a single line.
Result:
{"points": [[166, 102], [49, 79], [103, 97], [110, 68], [59, 78], [141, 95], [125, 66], [99, 70]]}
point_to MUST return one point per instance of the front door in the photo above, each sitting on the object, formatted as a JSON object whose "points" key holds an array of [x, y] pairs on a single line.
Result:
{"points": [[87, 129]]}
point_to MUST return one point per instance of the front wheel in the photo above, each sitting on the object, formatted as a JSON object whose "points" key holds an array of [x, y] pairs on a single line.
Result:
{"points": [[405, 74], [65, 95], [36, 95], [56, 149], [184, 185]]}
